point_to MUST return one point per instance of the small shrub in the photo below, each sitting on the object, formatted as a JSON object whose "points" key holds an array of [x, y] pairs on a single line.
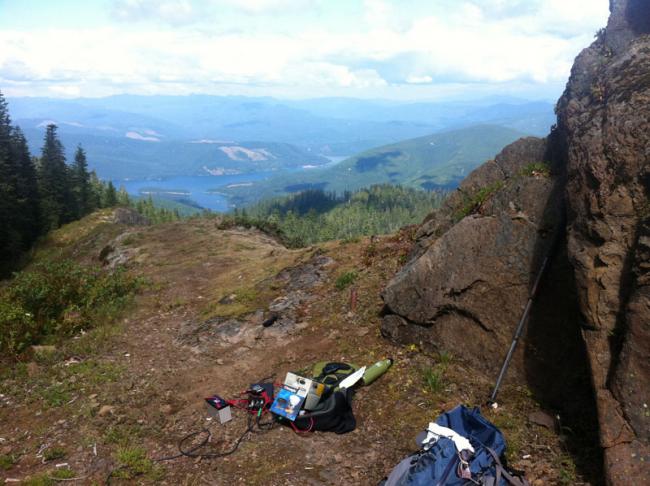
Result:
{"points": [[536, 169], [57, 299], [17, 328], [474, 203], [567, 471], [55, 395], [345, 280], [7, 461]]}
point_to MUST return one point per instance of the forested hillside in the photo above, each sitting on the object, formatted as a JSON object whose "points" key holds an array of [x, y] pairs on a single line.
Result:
{"points": [[40, 194], [157, 131], [437, 161], [314, 215]]}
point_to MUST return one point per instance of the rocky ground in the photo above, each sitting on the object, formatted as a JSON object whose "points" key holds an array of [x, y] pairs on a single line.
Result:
{"points": [[123, 394]]}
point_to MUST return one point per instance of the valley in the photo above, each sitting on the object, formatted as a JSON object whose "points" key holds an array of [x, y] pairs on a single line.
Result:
{"points": [[137, 137], [434, 162]]}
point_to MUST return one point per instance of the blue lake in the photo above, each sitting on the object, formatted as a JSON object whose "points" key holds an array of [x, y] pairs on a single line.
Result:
{"points": [[200, 189]]}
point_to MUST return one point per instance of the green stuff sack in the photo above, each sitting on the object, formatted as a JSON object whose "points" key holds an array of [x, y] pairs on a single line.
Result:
{"points": [[332, 373]]}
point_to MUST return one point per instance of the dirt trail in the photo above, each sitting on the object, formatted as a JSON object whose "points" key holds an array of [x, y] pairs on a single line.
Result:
{"points": [[196, 330]]}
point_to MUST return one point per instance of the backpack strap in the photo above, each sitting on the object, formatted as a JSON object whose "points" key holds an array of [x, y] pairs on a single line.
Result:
{"points": [[501, 471]]}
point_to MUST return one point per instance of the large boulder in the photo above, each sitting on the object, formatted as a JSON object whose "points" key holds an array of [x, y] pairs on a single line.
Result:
{"points": [[474, 261], [604, 119]]}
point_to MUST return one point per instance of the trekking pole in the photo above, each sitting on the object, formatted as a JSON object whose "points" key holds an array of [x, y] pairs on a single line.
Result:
{"points": [[524, 317]]}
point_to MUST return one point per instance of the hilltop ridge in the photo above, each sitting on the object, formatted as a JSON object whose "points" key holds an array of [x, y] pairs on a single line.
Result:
{"points": [[128, 389]]}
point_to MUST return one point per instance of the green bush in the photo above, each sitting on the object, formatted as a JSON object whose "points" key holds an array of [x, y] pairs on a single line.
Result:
{"points": [[57, 299], [537, 169], [473, 203], [17, 327]]}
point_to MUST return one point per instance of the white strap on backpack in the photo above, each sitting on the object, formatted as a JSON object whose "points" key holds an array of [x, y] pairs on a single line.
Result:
{"points": [[435, 431]]}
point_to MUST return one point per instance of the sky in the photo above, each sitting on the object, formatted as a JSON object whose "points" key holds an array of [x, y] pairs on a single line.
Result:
{"points": [[392, 49]]}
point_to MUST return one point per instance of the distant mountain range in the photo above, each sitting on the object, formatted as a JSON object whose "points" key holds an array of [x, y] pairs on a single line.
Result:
{"points": [[130, 136], [435, 161]]}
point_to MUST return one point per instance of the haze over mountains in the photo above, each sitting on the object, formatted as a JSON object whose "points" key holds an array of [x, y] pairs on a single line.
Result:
{"points": [[438, 161], [138, 137]]}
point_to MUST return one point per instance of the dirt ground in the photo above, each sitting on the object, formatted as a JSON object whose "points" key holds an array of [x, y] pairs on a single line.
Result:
{"points": [[123, 395]]}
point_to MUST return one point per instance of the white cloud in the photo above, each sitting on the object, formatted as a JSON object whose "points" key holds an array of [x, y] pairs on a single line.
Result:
{"points": [[184, 12], [414, 79], [384, 14], [65, 90], [467, 41], [175, 12], [266, 6]]}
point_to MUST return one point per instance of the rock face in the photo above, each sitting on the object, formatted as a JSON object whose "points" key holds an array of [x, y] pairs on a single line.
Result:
{"points": [[474, 260], [129, 217], [604, 118]]}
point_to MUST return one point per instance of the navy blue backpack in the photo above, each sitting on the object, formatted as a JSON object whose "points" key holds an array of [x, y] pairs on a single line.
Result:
{"points": [[442, 464]]}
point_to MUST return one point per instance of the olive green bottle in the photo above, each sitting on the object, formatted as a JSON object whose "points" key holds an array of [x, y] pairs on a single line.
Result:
{"points": [[375, 371]]}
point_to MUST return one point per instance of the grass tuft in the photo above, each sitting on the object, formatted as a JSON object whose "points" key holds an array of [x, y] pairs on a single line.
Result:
{"points": [[133, 462], [54, 454], [434, 379], [7, 461], [345, 280]]}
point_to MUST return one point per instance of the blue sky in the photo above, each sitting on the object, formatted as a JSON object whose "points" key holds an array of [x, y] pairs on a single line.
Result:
{"points": [[408, 50]]}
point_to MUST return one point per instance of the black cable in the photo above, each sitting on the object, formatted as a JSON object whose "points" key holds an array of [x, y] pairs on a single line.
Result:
{"points": [[262, 426], [209, 455], [189, 452], [252, 421]]}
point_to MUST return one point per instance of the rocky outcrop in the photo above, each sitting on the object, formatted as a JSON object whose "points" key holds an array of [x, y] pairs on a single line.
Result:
{"points": [[481, 182], [604, 118], [129, 217], [470, 272], [473, 261]]}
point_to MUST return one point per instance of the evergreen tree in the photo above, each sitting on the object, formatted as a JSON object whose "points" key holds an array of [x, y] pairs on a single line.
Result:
{"points": [[10, 237], [57, 203], [30, 224], [123, 198], [96, 192], [81, 183], [110, 196]]}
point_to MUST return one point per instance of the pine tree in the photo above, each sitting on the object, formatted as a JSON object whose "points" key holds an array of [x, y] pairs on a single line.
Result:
{"points": [[96, 192], [81, 184], [110, 196], [123, 198], [30, 224], [10, 237], [57, 203]]}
